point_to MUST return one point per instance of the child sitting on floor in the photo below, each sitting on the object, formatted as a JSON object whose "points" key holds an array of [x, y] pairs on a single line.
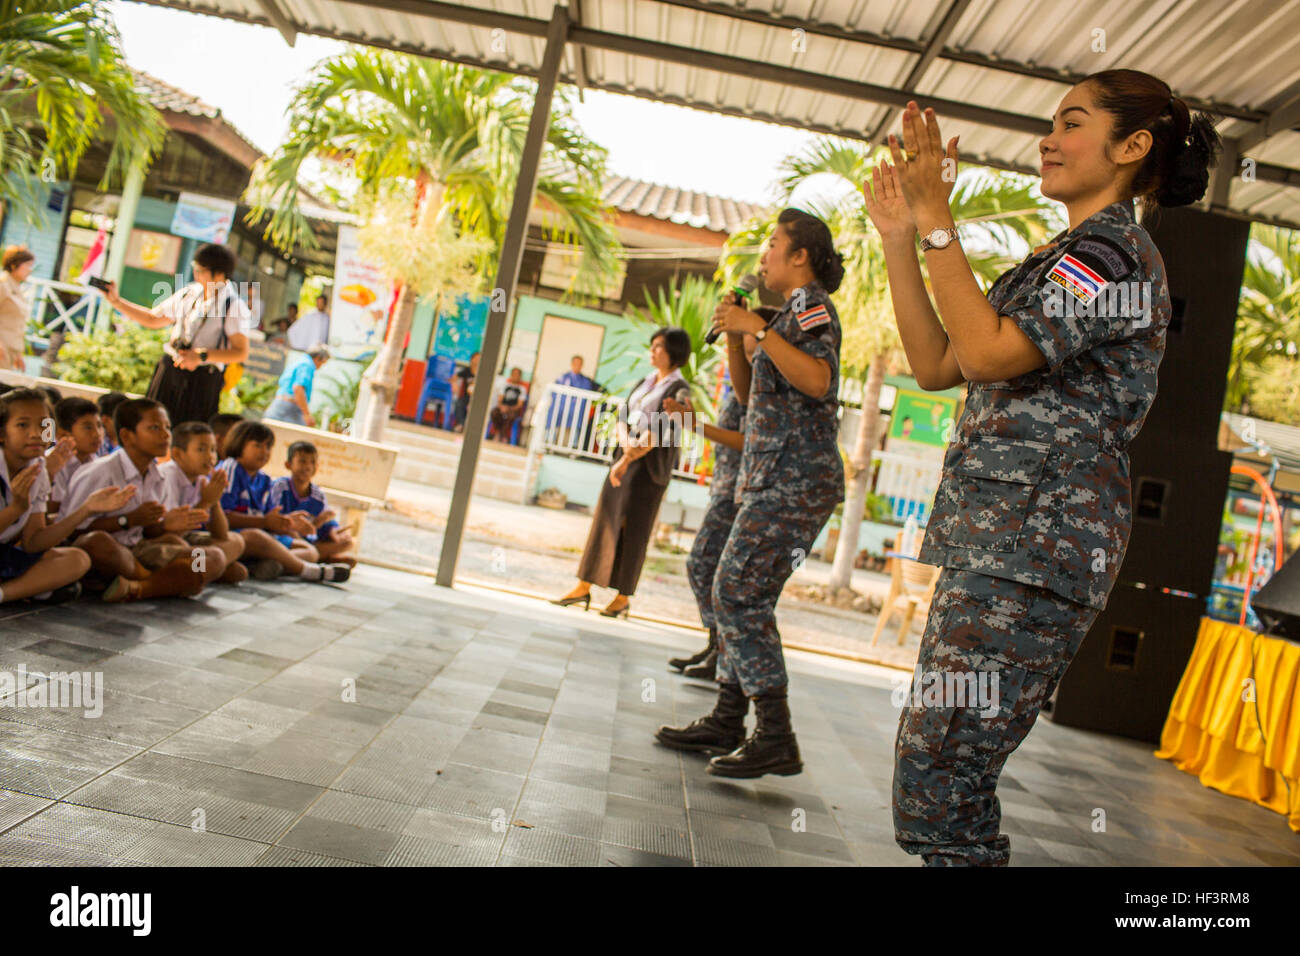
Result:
{"points": [[269, 535], [189, 481], [30, 564], [107, 405], [295, 493], [221, 424], [139, 544], [80, 433]]}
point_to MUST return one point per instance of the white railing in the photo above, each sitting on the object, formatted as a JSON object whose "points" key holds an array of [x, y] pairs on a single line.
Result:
{"points": [[48, 311], [578, 423], [909, 483]]}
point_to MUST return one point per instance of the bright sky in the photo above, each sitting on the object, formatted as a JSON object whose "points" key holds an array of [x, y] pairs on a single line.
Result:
{"points": [[249, 73]]}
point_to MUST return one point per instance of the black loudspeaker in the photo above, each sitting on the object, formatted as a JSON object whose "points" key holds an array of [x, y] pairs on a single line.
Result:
{"points": [[1178, 491], [1125, 674], [1278, 602], [1129, 665], [1204, 255]]}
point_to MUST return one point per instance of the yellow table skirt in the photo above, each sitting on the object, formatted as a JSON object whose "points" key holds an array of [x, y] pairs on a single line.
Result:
{"points": [[1213, 733]]}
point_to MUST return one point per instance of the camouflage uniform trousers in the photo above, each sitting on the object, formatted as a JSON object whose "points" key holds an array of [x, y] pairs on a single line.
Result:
{"points": [[771, 534], [947, 759], [702, 565]]}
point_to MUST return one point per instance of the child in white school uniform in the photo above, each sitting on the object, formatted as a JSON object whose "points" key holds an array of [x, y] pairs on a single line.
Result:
{"points": [[30, 564], [81, 435], [189, 481], [138, 545]]}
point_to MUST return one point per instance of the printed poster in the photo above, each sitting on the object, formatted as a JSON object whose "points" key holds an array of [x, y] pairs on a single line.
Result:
{"points": [[921, 417], [359, 310]]}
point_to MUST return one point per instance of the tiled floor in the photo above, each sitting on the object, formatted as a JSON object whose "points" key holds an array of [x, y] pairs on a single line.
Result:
{"points": [[389, 722]]}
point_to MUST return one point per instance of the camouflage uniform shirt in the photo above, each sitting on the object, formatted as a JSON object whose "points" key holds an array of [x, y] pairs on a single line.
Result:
{"points": [[1035, 484], [726, 461], [790, 438]]}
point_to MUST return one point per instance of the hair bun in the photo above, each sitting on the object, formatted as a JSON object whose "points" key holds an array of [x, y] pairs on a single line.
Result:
{"points": [[1189, 173]]}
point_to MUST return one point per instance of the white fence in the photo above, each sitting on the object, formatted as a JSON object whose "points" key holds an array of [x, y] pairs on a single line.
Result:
{"points": [[908, 482], [577, 423], [60, 307]]}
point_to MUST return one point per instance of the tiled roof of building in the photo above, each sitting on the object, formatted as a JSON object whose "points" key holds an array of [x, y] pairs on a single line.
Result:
{"points": [[168, 98], [682, 206]]}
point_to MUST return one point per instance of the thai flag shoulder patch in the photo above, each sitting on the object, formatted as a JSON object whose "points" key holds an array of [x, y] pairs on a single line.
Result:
{"points": [[1076, 278], [814, 317]]}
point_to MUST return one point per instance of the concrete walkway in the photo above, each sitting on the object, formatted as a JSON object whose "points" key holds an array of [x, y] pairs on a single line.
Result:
{"points": [[390, 722], [531, 550]]}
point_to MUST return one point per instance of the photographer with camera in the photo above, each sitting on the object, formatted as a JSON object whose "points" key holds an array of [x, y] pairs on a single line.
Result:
{"points": [[207, 318]]}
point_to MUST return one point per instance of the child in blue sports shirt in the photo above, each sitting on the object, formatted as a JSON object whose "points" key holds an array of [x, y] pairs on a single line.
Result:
{"points": [[295, 493], [270, 536]]}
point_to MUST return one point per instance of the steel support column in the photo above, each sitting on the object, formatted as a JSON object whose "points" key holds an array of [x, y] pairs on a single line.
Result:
{"points": [[503, 293]]}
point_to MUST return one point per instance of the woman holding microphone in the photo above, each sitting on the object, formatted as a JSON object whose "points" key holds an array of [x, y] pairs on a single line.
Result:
{"points": [[1032, 516], [791, 478]]}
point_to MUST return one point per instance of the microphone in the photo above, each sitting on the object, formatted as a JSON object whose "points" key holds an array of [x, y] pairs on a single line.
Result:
{"points": [[742, 290]]}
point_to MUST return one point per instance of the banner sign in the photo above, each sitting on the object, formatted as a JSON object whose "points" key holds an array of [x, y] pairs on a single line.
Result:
{"points": [[205, 218]]}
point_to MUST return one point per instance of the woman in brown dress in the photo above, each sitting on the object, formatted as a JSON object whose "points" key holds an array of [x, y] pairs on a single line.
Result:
{"points": [[638, 477]]}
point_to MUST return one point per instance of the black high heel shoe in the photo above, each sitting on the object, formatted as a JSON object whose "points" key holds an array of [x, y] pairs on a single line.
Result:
{"points": [[566, 601], [621, 612]]}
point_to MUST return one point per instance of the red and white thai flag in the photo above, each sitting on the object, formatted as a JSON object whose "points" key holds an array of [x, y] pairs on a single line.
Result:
{"points": [[814, 317], [93, 267], [1077, 279]]}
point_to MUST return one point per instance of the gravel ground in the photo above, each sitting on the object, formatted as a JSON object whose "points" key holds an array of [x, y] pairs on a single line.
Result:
{"points": [[414, 539]]}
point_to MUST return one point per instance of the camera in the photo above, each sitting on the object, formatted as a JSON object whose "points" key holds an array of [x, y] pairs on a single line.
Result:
{"points": [[97, 283]]}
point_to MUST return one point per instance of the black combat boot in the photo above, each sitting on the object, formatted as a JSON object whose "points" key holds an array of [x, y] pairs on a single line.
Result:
{"points": [[706, 669], [771, 748], [681, 663], [717, 733]]}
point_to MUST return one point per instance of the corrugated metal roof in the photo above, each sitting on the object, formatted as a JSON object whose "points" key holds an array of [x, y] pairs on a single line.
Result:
{"points": [[994, 69], [1283, 441]]}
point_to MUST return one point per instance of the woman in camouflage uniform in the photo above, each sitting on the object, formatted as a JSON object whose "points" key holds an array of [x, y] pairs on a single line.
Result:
{"points": [[1032, 515], [791, 478], [728, 443]]}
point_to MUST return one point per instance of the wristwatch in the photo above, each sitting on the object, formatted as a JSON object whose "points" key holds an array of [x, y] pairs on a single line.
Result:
{"points": [[123, 522], [203, 355], [938, 238], [760, 334]]}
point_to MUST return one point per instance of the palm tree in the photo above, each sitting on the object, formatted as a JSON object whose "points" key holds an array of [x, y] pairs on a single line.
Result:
{"points": [[62, 70], [1001, 215], [1268, 321], [454, 137]]}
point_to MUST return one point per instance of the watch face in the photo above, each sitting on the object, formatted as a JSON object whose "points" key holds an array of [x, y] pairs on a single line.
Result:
{"points": [[939, 238]]}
